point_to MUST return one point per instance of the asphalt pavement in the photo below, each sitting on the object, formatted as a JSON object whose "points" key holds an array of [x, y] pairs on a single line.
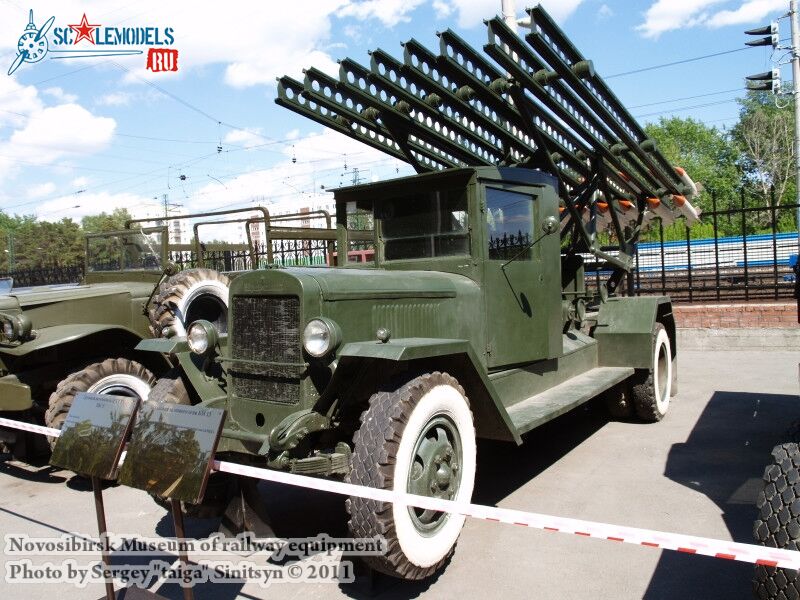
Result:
{"points": [[697, 472]]}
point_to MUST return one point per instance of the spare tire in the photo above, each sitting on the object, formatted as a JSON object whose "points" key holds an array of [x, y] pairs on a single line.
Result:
{"points": [[187, 296]]}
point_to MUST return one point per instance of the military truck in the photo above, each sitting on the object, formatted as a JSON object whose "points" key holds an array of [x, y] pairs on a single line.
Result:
{"points": [[475, 319], [59, 340]]}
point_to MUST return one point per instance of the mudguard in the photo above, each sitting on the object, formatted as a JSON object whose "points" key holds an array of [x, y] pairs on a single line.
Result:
{"points": [[624, 330], [491, 417]]}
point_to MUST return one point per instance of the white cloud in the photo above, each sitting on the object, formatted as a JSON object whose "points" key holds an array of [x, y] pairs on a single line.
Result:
{"points": [[41, 190], [442, 8], [76, 206], [246, 138], [748, 12], [321, 159], [80, 182], [114, 99], [388, 12], [62, 129], [17, 102], [604, 12], [257, 41], [54, 132], [59, 94], [667, 15]]}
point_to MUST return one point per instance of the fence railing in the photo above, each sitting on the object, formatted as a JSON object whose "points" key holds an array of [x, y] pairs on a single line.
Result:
{"points": [[739, 253]]}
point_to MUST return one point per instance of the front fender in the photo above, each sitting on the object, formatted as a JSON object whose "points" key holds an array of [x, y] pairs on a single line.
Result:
{"points": [[62, 334], [458, 358], [403, 349]]}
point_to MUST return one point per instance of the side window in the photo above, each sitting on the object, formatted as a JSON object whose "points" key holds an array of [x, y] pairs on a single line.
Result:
{"points": [[509, 220]]}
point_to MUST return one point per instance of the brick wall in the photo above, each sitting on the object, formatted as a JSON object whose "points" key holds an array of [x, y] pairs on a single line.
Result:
{"points": [[729, 316]]}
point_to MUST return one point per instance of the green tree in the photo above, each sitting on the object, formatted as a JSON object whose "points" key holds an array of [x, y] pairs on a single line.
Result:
{"points": [[105, 221], [709, 156], [765, 135]]}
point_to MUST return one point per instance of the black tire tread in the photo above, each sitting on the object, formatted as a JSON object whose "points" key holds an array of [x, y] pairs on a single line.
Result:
{"points": [[778, 522], [161, 311]]}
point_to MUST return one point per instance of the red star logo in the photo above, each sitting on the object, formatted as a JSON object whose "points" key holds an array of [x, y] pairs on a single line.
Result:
{"points": [[84, 30]]}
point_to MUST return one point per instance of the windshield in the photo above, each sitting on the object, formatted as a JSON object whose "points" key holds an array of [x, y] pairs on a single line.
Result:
{"points": [[134, 250], [424, 224]]}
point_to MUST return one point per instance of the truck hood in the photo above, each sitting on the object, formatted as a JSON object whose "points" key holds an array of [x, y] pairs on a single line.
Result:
{"points": [[47, 294], [356, 284]]}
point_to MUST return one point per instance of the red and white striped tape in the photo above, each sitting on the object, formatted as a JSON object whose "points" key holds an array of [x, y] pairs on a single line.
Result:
{"points": [[689, 544]]}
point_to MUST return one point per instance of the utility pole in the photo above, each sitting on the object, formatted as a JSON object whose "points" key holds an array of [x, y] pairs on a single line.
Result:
{"points": [[796, 89]]}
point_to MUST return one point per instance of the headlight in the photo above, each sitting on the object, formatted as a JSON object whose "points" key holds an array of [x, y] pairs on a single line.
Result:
{"points": [[320, 337], [8, 331], [201, 337]]}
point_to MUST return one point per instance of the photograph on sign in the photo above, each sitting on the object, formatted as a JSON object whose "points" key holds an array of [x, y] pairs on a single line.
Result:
{"points": [[94, 433], [170, 450]]}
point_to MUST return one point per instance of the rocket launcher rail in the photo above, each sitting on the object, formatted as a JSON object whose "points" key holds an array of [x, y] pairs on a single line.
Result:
{"points": [[534, 102]]}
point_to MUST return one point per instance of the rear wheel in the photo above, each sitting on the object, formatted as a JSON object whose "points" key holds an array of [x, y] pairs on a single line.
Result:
{"points": [[651, 388], [113, 376], [418, 438]]}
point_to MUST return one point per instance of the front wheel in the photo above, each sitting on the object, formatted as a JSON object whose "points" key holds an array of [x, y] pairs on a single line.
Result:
{"points": [[417, 438], [113, 376]]}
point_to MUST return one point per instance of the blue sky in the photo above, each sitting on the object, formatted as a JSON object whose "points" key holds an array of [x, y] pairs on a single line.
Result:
{"points": [[80, 136]]}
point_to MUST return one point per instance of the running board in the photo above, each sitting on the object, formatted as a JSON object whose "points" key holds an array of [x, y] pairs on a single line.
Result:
{"points": [[541, 408]]}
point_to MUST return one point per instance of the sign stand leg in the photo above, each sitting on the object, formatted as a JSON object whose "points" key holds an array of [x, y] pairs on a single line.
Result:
{"points": [[97, 489], [177, 518]]}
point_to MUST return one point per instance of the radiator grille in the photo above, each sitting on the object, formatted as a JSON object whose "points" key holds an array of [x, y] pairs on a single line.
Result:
{"points": [[266, 329]]}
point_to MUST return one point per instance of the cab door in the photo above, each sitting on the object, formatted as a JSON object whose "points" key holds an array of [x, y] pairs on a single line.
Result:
{"points": [[516, 297]]}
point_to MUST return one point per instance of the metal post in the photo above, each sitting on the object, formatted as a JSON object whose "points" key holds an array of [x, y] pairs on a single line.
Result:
{"points": [[716, 243], [689, 260], [97, 489], [796, 84], [744, 247], [177, 519], [509, 9], [774, 222]]}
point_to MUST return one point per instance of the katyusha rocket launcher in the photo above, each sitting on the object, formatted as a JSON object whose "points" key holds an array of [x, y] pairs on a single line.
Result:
{"points": [[531, 101]]}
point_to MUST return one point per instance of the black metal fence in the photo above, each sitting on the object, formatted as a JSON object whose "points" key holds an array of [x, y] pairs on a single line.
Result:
{"points": [[737, 253], [45, 275]]}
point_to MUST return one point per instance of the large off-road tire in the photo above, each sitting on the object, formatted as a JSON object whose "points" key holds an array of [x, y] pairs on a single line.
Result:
{"points": [[417, 438], [113, 376], [778, 522], [187, 296], [651, 388], [171, 389]]}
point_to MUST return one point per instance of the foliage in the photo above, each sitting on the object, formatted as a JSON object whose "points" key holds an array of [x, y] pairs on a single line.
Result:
{"points": [[26, 243], [765, 136], [705, 152]]}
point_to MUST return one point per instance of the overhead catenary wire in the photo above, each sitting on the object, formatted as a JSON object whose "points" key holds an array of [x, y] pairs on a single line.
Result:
{"points": [[674, 63]]}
